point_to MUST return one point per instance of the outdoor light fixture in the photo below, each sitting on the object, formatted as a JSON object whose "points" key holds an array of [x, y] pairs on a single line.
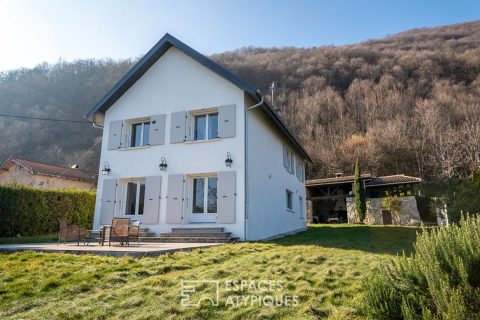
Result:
{"points": [[228, 161], [163, 164], [106, 169]]}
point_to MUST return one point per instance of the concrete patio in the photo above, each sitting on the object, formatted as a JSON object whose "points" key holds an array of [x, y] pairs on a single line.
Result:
{"points": [[134, 250]]}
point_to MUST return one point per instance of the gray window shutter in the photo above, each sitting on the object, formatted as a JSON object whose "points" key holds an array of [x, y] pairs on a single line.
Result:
{"points": [[177, 127], [107, 202], [226, 121], [226, 195], [175, 199], [115, 134], [153, 188], [157, 130]]}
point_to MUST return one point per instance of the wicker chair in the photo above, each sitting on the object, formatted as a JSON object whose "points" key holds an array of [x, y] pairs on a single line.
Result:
{"points": [[134, 231], [70, 233], [119, 231]]}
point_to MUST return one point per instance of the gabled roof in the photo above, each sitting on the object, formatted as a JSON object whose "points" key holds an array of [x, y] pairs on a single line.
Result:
{"points": [[51, 170], [168, 41]]}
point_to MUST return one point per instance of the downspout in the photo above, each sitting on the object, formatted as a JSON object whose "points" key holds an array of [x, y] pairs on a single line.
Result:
{"points": [[246, 161]]}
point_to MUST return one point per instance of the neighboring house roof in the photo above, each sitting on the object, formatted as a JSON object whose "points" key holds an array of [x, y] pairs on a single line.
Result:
{"points": [[51, 170], [162, 46], [394, 179], [335, 180], [370, 181]]}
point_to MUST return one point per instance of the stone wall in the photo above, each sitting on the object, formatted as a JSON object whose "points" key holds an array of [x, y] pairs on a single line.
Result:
{"points": [[407, 215]]}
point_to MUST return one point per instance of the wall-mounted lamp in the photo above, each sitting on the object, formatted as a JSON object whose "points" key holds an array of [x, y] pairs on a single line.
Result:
{"points": [[163, 164], [228, 161], [106, 169]]}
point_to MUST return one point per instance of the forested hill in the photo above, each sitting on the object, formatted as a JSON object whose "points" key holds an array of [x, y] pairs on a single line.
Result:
{"points": [[408, 103]]}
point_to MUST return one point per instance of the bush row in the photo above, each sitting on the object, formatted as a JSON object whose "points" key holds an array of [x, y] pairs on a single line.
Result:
{"points": [[29, 211]]}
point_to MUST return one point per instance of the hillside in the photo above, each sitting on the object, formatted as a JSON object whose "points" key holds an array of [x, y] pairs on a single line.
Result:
{"points": [[408, 103]]}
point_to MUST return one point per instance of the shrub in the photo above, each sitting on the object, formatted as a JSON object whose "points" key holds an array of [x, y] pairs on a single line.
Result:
{"points": [[29, 211], [439, 281], [465, 197], [360, 201], [427, 208]]}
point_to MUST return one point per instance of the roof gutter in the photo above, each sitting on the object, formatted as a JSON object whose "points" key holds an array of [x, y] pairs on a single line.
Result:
{"points": [[262, 100]]}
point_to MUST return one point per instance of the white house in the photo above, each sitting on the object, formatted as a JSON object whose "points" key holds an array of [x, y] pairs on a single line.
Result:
{"points": [[179, 108]]}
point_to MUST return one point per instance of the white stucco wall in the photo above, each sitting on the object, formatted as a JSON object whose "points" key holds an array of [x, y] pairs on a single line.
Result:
{"points": [[267, 182], [177, 83]]}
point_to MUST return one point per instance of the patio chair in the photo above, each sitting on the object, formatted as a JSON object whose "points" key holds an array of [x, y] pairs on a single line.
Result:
{"points": [[134, 231], [119, 231], [70, 233]]}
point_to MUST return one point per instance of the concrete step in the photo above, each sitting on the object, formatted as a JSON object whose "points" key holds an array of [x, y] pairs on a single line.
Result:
{"points": [[146, 234], [197, 230], [197, 235], [187, 239]]}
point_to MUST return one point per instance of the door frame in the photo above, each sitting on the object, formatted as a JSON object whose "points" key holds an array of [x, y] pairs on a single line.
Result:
{"points": [[200, 217], [124, 185]]}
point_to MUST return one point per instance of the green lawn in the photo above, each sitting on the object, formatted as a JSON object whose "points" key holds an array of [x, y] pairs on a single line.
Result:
{"points": [[323, 267]]}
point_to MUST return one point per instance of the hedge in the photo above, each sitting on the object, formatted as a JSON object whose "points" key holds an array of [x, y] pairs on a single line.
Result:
{"points": [[28, 211]]}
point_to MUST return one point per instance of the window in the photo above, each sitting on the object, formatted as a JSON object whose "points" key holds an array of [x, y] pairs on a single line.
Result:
{"points": [[300, 170], [135, 198], [205, 195], [140, 134], [289, 195], [300, 206], [288, 160], [206, 126]]}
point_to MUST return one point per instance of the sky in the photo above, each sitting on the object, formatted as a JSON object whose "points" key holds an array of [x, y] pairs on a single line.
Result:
{"points": [[36, 31]]}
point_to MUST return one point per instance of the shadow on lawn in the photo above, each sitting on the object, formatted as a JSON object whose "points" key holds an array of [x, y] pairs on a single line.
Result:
{"points": [[375, 239]]}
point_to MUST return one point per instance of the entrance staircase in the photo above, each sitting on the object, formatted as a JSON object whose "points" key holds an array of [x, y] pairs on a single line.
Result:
{"points": [[192, 235]]}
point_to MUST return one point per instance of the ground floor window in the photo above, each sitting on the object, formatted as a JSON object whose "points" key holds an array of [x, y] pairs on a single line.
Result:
{"points": [[204, 195], [135, 198], [300, 206], [289, 195]]}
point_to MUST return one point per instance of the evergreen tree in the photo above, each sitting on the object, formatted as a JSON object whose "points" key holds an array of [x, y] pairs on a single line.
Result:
{"points": [[358, 189]]}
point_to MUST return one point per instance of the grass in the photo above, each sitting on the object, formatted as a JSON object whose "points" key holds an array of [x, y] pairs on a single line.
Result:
{"points": [[52, 237], [324, 267]]}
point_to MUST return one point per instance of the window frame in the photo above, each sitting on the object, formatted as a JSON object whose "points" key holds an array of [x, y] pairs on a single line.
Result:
{"points": [[206, 178], [133, 125], [138, 192], [301, 207], [289, 199], [207, 115]]}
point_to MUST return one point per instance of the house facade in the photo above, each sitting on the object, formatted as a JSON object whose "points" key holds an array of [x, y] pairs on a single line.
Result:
{"points": [[390, 200], [188, 144], [46, 176]]}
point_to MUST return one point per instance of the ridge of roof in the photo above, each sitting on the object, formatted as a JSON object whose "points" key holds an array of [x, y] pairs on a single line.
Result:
{"points": [[156, 52]]}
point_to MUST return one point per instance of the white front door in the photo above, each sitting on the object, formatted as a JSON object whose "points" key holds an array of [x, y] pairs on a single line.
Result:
{"points": [[134, 199], [203, 199]]}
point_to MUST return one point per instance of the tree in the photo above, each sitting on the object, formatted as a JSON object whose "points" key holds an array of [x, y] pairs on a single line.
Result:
{"points": [[360, 204]]}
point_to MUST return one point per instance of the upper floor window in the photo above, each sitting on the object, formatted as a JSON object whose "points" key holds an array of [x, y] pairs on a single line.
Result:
{"points": [[300, 170], [140, 134], [288, 160], [206, 126]]}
